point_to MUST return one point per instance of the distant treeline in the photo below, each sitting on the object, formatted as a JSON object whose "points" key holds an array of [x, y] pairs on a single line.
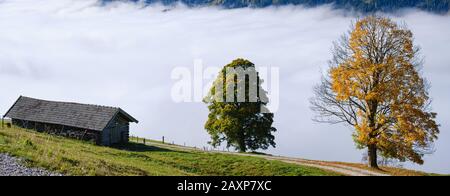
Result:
{"points": [[438, 6]]}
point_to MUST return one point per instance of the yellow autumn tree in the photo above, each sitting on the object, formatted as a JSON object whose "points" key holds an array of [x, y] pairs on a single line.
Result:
{"points": [[374, 85]]}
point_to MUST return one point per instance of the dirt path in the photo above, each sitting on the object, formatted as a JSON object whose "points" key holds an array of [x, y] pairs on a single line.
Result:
{"points": [[343, 169], [338, 168]]}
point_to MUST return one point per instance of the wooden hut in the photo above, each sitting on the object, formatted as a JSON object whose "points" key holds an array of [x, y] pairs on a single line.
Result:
{"points": [[100, 124]]}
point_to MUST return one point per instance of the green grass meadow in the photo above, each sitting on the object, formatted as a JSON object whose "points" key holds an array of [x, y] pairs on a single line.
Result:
{"points": [[73, 157]]}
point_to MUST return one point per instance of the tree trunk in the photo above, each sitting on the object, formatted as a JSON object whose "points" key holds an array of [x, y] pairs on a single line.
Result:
{"points": [[372, 155], [241, 142], [372, 148], [241, 146]]}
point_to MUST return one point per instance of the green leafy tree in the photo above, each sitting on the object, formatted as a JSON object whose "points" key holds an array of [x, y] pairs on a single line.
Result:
{"points": [[238, 113]]}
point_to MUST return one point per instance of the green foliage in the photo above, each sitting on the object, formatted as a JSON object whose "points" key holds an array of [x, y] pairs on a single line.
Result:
{"points": [[240, 123], [74, 157]]}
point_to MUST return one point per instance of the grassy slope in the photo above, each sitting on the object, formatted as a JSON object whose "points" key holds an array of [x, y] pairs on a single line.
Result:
{"points": [[73, 157], [394, 171]]}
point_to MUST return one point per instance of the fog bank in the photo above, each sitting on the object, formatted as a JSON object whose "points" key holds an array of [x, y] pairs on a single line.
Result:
{"points": [[122, 55]]}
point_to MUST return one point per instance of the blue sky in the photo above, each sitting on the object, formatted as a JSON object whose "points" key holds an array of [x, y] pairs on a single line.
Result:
{"points": [[123, 55]]}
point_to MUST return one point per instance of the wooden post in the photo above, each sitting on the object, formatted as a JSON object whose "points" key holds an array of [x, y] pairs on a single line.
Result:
{"points": [[144, 141], [163, 139]]}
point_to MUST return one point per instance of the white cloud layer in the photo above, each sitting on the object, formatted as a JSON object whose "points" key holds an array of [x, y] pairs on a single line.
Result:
{"points": [[123, 54]]}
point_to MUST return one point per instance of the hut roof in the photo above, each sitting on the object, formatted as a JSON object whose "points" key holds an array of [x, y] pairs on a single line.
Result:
{"points": [[86, 116]]}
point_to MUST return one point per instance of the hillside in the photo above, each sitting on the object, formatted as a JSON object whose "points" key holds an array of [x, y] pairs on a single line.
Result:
{"points": [[73, 157], [437, 6], [345, 168]]}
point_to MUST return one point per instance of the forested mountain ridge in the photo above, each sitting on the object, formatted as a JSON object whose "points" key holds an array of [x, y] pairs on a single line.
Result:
{"points": [[437, 6]]}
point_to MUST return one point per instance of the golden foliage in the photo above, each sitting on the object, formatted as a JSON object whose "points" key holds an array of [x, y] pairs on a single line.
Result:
{"points": [[377, 73]]}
